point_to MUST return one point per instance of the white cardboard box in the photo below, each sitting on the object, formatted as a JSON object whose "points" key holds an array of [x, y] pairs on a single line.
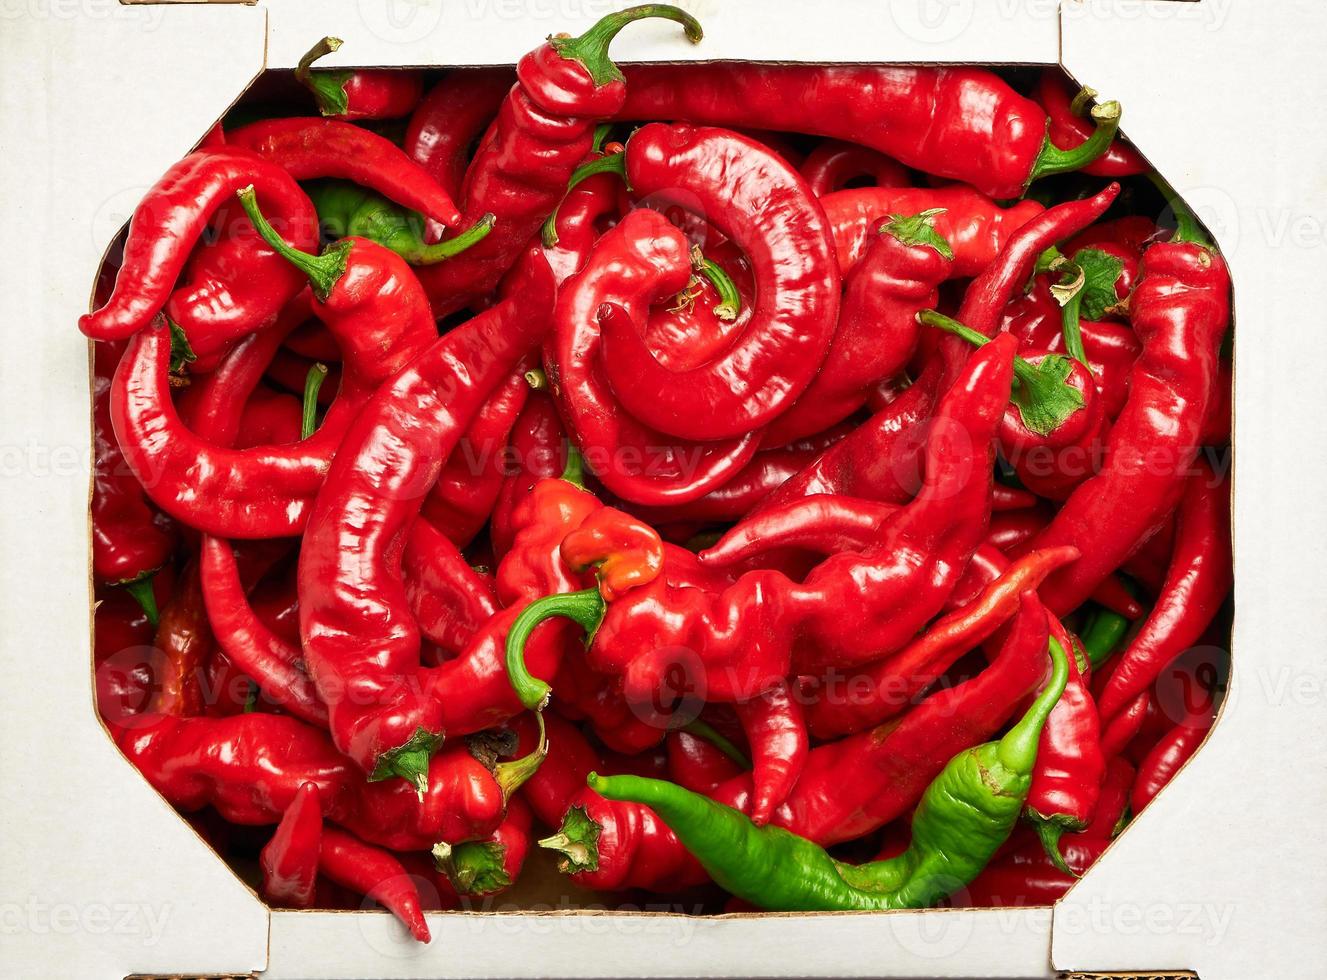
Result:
{"points": [[1226, 873]]}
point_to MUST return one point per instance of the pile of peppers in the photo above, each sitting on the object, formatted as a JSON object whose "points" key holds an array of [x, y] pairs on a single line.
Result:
{"points": [[804, 486]]}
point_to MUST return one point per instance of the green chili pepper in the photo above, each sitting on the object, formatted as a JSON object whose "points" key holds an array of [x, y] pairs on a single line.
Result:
{"points": [[346, 209], [963, 818]]}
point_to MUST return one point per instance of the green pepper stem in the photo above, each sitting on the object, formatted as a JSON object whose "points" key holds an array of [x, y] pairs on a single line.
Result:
{"points": [[324, 271], [142, 591], [1053, 160], [1187, 227], [409, 760], [585, 607], [1018, 749], [313, 382], [591, 48], [704, 730], [510, 776], [477, 232], [600, 136], [536, 379], [328, 87], [1071, 327], [730, 300], [574, 470], [614, 163], [1050, 832], [1023, 370]]}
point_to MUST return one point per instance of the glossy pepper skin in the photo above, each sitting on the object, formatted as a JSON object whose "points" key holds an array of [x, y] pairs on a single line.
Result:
{"points": [[310, 148], [1026, 876], [851, 608], [767, 210], [898, 277], [1067, 129], [775, 728], [975, 227], [269, 659], [643, 260], [963, 817], [538, 449], [1066, 783], [460, 503], [301, 848], [1169, 755], [848, 788], [249, 767], [359, 93], [451, 117], [369, 299], [962, 123], [448, 598], [544, 129], [833, 164], [1197, 582], [129, 543], [1180, 310], [169, 222], [360, 642]]}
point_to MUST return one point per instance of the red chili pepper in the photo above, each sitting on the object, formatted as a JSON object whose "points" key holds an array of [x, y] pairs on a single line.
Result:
{"points": [[1119, 729], [360, 93], [882, 691], [544, 129], [270, 418], [290, 859], [853, 607], [898, 277], [368, 297], [1180, 310], [768, 470], [271, 661], [1111, 347], [480, 867], [642, 259], [537, 451], [449, 600], [1196, 585], [834, 165], [1066, 782], [1168, 757], [1025, 875], [129, 541], [584, 214], [775, 728], [185, 640], [1112, 803], [250, 766], [444, 126], [462, 500], [1068, 127], [848, 788], [361, 644], [767, 210], [169, 222], [959, 122], [697, 764], [975, 227], [310, 148], [375, 873]]}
